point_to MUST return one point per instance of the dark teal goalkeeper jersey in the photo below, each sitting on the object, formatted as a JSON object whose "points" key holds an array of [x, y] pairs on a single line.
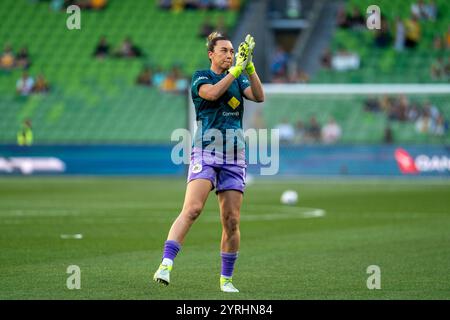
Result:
{"points": [[226, 112]]}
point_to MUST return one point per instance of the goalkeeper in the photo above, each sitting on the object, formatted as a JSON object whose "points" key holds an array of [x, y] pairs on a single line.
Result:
{"points": [[218, 95]]}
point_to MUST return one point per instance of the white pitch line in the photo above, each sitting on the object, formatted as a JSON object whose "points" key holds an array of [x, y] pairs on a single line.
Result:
{"points": [[266, 213], [309, 213], [77, 236]]}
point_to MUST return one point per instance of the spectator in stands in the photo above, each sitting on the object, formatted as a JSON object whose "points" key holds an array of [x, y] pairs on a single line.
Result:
{"points": [[206, 28], [279, 66], [342, 19], [388, 136], [181, 82], [402, 108], [128, 49], [41, 85], [158, 77], [413, 113], [205, 4], [372, 105], [344, 60], [25, 84], [437, 70], [165, 4], [424, 123], [83, 4], [169, 83], [145, 77], [23, 59], [432, 110], [299, 131], [438, 43], [353, 20], [287, 131], [180, 5], [331, 132], [190, 4], [313, 130], [325, 60], [412, 32], [431, 10], [177, 6], [7, 59], [102, 49], [383, 36], [175, 82], [447, 69], [221, 4], [98, 4], [418, 10], [399, 34], [385, 103], [441, 127], [25, 134], [356, 19], [234, 5], [57, 5]]}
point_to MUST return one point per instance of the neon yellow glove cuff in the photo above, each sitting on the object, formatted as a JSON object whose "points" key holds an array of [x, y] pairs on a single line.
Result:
{"points": [[250, 68], [236, 71]]}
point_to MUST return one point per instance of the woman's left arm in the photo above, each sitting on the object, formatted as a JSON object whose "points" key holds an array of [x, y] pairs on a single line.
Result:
{"points": [[255, 91]]}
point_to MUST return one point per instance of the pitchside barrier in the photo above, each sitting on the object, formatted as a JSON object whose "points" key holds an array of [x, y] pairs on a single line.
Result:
{"points": [[385, 130]]}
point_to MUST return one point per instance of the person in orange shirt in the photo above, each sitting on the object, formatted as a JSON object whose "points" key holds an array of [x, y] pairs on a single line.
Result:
{"points": [[7, 59], [98, 4], [170, 83]]}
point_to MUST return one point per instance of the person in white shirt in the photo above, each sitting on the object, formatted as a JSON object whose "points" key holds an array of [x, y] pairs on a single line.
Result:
{"points": [[287, 131], [24, 85], [331, 132]]}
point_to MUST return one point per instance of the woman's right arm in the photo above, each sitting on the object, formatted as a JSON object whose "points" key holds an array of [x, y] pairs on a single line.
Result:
{"points": [[212, 92]]}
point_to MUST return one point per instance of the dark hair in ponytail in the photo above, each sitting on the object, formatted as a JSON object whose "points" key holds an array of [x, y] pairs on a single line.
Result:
{"points": [[213, 38]]}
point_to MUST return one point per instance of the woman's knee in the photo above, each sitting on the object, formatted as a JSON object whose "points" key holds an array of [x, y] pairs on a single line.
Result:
{"points": [[192, 211], [231, 221]]}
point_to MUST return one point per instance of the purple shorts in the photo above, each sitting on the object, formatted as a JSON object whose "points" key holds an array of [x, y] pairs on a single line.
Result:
{"points": [[222, 176]]}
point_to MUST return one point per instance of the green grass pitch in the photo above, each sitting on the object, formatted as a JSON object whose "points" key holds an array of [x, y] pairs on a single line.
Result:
{"points": [[286, 252]]}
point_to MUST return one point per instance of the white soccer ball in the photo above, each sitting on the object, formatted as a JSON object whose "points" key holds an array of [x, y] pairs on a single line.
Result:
{"points": [[289, 197]]}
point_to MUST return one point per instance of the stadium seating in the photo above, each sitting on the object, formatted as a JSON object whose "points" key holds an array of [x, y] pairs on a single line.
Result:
{"points": [[387, 65], [94, 101], [358, 125], [377, 66]]}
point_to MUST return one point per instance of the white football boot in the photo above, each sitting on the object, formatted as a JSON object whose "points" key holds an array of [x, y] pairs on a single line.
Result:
{"points": [[226, 285]]}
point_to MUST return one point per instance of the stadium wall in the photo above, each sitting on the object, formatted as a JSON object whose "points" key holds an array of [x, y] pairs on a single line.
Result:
{"points": [[340, 160]]}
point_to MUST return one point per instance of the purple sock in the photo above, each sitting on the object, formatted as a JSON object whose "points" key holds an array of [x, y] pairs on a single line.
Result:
{"points": [[171, 248], [228, 260]]}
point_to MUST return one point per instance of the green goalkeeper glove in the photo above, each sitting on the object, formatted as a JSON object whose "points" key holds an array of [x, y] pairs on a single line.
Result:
{"points": [[250, 45], [241, 60]]}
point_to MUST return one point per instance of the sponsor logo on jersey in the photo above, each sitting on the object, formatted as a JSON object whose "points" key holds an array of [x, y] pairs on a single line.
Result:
{"points": [[234, 103], [227, 114]]}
